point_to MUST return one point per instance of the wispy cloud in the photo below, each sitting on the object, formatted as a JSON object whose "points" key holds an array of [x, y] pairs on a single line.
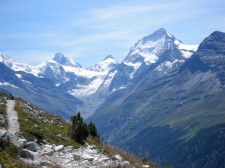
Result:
{"points": [[33, 57]]}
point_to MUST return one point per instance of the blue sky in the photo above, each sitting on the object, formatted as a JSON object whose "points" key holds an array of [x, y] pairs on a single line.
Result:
{"points": [[32, 31]]}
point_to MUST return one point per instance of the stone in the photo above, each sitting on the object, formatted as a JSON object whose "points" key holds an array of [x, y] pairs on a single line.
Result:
{"points": [[76, 157], [26, 154], [117, 157], [104, 159], [3, 133], [59, 148], [91, 146], [47, 150], [126, 162], [88, 157], [32, 146], [68, 149], [145, 166], [18, 142]]}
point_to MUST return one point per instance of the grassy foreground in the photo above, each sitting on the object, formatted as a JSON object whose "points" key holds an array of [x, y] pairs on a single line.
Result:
{"points": [[37, 125]]}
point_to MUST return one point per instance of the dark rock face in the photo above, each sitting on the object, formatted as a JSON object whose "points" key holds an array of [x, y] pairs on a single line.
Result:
{"points": [[211, 51], [210, 56]]}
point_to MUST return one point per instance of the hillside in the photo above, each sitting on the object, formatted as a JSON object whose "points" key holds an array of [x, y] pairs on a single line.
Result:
{"points": [[43, 140]]}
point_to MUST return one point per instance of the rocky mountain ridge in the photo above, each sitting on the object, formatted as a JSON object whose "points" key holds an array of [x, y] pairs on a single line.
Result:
{"points": [[178, 108], [158, 54]]}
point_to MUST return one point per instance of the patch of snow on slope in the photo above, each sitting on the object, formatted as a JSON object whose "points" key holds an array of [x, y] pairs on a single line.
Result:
{"points": [[104, 66], [21, 67], [120, 88], [7, 84], [187, 50], [109, 78], [135, 67], [150, 58], [84, 90], [168, 64], [26, 81], [83, 72], [19, 75]]}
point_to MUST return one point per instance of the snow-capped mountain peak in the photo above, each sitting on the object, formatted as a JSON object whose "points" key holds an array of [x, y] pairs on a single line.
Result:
{"points": [[150, 47], [63, 60], [6, 60], [10, 63], [104, 66], [160, 50], [109, 57]]}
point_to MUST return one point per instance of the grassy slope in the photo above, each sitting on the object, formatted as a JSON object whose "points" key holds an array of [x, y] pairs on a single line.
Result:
{"points": [[8, 152], [36, 124]]}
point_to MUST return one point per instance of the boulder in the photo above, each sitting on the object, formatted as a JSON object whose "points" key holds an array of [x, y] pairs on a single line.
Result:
{"points": [[47, 150], [145, 166], [118, 157], [3, 134], [76, 157], [126, 162], [32, 146], [18, 142], [68, 149], [26, 154], [90, 146], [59, 148], [88, 157], [104, 159]]}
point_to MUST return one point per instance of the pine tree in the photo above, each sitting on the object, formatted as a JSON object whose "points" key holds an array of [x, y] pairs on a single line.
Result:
{"points": [[92, 129], [80, 130]]}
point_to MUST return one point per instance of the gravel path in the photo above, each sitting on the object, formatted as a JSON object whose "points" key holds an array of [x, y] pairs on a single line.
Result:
{"points": [[13, 124]]}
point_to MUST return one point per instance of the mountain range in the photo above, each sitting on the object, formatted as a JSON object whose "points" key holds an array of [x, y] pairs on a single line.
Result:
{"points": [[92, 85], [178, 118], [165, 97]]}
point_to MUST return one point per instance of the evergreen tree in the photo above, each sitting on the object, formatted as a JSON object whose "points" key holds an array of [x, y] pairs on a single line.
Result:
{"points": [[92, 129], [80, 130]]}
